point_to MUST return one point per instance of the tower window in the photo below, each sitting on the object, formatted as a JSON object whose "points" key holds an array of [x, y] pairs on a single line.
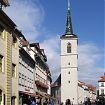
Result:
{"points": [[69, 63], [69, 72], [68, 81], [69, 48]]}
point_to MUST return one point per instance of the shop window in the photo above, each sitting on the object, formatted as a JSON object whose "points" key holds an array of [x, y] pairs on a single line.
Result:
{"points": [[13, 70], [1, 63], [68, 47], [1, 31], [0, 97]]}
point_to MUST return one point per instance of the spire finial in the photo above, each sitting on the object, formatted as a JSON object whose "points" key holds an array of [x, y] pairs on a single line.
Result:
{"points": [[68, 4], [69, 29]]}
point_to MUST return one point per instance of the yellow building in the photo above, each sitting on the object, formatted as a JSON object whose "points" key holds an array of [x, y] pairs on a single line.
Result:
{"points": [[9, 54]]}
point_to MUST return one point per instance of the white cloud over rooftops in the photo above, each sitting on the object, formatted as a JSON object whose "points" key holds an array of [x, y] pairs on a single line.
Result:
{"points": [[28, 16], [89, 56]]}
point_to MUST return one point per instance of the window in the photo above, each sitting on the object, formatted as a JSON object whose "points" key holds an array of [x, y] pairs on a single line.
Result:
{"points": [[69, 63], [68, 48], [13, 100], [13, 70], [68, 81], [20, 79], [1, 63], [1, 31], [102, 84], [69, 72], [14, 41], [23, 80], [0, 97], [102, 91]]}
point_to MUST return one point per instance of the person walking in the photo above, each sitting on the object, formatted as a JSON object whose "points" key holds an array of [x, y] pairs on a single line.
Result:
{"points": [[33, 102], [88, 102], [68, 102]]}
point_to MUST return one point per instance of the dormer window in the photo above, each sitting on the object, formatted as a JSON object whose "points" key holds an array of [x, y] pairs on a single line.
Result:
{"points": [[68, 47]]}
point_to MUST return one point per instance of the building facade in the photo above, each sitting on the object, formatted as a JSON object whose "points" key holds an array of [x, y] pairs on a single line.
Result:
{"points": [[26, 77], [86, 91], [56, 91], [42, 73], [24, 73], [69, 56], [9, 54], [101, 83]]}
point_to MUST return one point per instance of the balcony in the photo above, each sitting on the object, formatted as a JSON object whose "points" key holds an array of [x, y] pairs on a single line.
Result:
{"points": [[39, 83]]}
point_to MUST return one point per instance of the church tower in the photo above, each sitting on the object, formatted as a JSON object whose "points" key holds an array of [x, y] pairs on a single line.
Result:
{"points": [[69, 56]]}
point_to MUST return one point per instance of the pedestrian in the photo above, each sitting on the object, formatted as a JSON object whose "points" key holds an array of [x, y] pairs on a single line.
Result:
{"points": [[68, 102], [46, 102], [33, 102], [88, 102], [52, 102]]}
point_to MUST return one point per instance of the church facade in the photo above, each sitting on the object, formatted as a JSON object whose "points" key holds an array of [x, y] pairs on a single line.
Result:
{"points": [[69, 66]]}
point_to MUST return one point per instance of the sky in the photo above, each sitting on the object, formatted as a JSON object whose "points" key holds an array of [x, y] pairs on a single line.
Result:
{"points": [[44, 21]]}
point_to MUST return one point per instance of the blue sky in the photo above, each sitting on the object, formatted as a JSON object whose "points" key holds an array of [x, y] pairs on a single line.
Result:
{"points": [[44, 21]]}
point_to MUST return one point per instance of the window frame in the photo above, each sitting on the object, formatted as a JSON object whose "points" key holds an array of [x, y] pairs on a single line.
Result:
{"points": [[1, 95], [1, 31], [102, 91], [14, 75], [14, 41], [1, 63], [102, 84], [68, 47]]}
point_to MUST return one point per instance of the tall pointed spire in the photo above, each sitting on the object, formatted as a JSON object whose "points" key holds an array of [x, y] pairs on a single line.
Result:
{"points": [[69, 29]]}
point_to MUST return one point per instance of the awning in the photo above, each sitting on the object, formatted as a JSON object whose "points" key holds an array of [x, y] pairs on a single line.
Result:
{"points": [[39, 83], [29, 94]]}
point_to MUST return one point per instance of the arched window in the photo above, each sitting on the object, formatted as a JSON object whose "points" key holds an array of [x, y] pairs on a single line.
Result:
{"points": [[69, 48]]}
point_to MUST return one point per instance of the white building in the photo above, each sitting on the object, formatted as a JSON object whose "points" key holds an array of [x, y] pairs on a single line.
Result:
{"points": [[69, 56], [102, 86], [26, 77], [80, 93], [86, 91]]}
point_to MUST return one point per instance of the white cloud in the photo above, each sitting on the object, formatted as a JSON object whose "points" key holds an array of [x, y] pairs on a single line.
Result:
{"points": [[89, 57], [28, 16], [52, 49]]}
